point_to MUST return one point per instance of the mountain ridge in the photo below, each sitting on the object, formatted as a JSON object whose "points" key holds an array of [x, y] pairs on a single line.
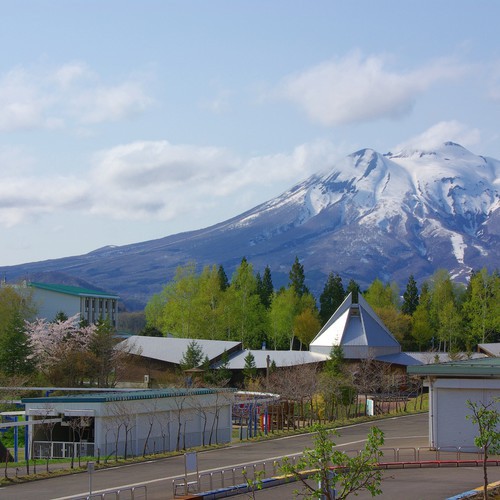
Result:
{"points": [[370, 215]]}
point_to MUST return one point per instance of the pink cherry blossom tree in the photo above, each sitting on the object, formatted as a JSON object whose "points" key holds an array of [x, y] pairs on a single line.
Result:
{"points": [[61, 349]]}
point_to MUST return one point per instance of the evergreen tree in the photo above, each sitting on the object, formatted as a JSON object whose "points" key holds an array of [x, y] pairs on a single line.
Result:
{"points": [[15, 350], [265, 287], [223, 280], [150, 331], [410, 297], [250, 368], [222, 374], [332, 296], [193, 357], [297, 278], [353, 288], [102, 353]]}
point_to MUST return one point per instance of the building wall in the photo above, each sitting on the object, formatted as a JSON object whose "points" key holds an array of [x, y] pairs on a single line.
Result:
{"points": [[164, 423], [448, 423], [50, 303], [91, 308]]}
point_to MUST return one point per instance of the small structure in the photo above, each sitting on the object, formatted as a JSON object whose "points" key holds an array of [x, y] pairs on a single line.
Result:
{"points": [[358, 330], [129, 423], [92, 305], [451, 385]]}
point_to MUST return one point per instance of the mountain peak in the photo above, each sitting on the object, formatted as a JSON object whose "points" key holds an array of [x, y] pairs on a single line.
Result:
{"points": [[370, 216]]}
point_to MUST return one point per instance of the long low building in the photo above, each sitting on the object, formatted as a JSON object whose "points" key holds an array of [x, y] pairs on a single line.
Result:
{"points": [[129, 423]]}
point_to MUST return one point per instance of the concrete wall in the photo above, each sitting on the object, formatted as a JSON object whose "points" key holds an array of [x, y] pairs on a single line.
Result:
{"points": [[50, 303]]}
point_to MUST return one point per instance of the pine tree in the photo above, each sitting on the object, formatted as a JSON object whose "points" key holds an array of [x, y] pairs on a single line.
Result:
{"points": [[332, 296], [193, 357], [410, 297], [223, 280], [250, 368], [353, 288], [265, 287], [297, 278], [15, 351]]}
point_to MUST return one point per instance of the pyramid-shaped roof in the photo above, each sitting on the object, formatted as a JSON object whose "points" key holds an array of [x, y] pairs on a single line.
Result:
{"points": [[359, 331]]}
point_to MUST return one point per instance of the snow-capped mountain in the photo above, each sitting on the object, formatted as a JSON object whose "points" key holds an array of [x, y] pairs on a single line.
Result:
{"points": [[371, 215]]}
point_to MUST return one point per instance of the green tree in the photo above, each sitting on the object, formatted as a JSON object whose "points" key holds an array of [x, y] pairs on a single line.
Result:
{"points": [[150, 331], [482, 308], [410, 297], [15, 350], [265, 287], [284, 307], [15, 301], [332, 296], [193, 357], [350, 474], [222, 375], [306, 325], [208, 304], [223, 279], [381, 296], [422, 330], [245, 313], [250, 368], [297, 278], [104, 359], [353, 288], [487, 418]]}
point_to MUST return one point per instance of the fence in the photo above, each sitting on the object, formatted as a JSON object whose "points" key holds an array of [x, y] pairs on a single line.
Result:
{"points": [[134, 493], [62, 449], [402, 457]]}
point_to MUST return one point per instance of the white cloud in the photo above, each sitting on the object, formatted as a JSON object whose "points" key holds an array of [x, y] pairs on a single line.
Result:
{"points": [[162, 180], [24, 198], [440, 133], [157, 180], [72, 93], [356, 88]]}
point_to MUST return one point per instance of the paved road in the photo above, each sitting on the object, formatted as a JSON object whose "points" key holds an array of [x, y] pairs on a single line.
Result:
{"points": [[402, 432]]}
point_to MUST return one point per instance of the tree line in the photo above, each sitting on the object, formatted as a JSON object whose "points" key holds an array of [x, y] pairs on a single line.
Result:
{"points": [[441, 315]]}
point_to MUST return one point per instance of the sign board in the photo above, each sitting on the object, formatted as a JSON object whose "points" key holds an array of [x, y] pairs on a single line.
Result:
{"points": [[191, 462]]}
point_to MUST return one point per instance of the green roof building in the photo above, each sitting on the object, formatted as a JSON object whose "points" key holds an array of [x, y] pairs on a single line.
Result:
{"points": [[92, 305]]}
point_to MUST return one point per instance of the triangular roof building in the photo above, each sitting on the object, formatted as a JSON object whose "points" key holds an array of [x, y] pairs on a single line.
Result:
{"points": [[358, 330]]}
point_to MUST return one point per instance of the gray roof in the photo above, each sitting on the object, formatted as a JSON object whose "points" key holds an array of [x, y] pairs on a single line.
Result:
{"points": [[171, 350], [280, 358], [354, 325], [490, 349]]}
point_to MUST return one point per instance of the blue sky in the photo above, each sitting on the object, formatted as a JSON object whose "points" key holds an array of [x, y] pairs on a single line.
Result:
{"points": [[124, 121]]}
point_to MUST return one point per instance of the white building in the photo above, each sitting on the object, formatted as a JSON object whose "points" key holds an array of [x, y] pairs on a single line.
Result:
{"points": [[92, 305], [451, 385], [112, 422]]}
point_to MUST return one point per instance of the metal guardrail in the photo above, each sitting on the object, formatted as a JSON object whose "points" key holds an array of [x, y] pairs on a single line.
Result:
{"points": [[393, 457], [134, 493]]}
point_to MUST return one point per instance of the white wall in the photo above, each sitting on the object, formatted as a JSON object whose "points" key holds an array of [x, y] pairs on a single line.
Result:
{"points": [[448, 423], [158, 417]]}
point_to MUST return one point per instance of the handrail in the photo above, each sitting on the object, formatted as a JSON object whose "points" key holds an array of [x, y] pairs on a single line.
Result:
{"points": [[116, 492], [420, 457]]}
